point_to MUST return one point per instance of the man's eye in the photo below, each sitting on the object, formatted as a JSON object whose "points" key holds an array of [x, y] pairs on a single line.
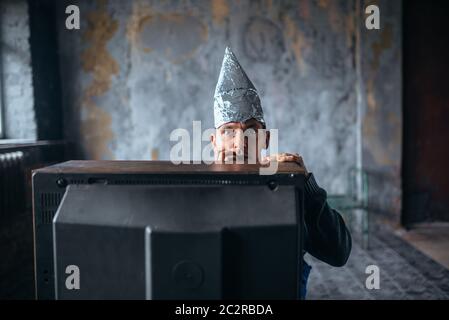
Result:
{"points": [[250, 132]]}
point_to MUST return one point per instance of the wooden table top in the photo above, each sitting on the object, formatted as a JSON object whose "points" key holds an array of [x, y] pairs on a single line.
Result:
{"points": [[161, 167]]}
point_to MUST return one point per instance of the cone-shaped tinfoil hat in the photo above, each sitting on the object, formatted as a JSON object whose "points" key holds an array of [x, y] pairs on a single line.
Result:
{"points": [[235, 98]]}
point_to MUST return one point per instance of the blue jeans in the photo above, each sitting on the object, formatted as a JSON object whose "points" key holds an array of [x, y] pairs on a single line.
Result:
{"points": [[305, 276]]}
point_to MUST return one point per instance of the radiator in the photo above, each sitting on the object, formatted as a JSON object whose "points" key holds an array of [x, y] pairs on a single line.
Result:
{"points": [[12, 185]]}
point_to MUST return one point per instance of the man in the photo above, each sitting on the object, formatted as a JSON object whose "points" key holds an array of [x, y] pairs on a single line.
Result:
{"points": [[237, 109]]}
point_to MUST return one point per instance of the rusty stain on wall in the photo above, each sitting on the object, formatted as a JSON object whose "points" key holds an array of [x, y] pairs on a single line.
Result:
{"points": [[298, 42], [139, 13], [386, 41], [220, 11], [96, 60]]}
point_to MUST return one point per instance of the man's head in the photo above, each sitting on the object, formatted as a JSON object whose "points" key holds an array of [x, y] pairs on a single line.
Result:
{"points": [[240, 140], [238, 114]]}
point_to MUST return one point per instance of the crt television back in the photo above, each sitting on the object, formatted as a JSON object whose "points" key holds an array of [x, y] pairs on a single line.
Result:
{"points": [[153, 230]]}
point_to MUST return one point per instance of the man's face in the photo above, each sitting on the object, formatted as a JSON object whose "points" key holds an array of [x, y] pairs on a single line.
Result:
{"points": [[240, 141]]}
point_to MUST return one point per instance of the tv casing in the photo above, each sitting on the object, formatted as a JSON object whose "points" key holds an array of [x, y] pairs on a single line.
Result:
{"points": [[188, 231]]}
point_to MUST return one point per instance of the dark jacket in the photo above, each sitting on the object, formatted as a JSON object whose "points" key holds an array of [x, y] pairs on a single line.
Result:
{"points": [[326, 236]]}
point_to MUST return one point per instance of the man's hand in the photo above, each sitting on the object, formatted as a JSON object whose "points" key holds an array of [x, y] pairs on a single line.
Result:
{"points": [[287, 157]]}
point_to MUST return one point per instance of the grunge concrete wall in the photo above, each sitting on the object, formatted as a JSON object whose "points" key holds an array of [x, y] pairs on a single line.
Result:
{"points": [[16, 71], [136, 70], [381, 107]]}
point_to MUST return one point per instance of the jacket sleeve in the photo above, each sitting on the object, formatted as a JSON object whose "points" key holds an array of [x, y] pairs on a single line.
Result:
{"points": [[326, 236]]}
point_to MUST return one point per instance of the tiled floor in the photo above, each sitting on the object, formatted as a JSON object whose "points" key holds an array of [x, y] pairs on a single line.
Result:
{"points": [[405, 272]]}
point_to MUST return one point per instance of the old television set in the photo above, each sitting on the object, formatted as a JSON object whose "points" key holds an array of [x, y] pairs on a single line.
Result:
{"points": [[156, 230]]}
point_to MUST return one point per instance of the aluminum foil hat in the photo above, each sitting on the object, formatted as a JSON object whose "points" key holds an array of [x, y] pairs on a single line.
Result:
{"points": [[235, 98]]}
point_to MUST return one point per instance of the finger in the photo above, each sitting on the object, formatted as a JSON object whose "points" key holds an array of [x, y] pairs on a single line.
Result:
{"points": [[290, 156], [287, 159]]}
